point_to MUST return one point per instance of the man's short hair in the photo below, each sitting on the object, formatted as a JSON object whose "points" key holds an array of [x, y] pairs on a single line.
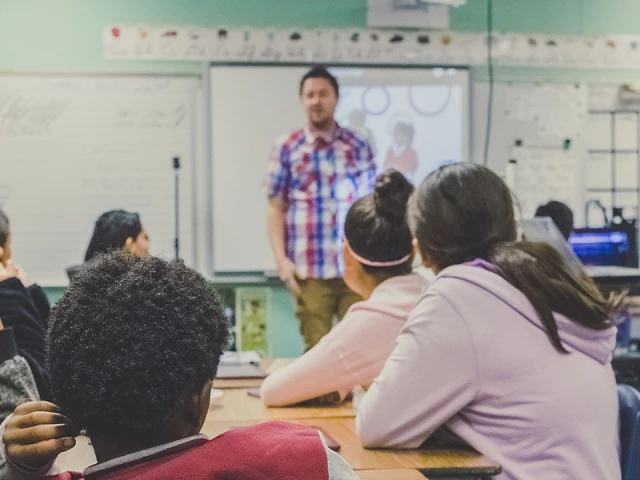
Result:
{"points": [[320, 72]]}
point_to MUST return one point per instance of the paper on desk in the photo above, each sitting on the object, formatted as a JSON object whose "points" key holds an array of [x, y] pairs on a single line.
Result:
{"points": [[240, 358]]}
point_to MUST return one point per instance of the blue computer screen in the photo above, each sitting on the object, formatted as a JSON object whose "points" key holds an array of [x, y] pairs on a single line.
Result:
{"points": [[601, 248]]}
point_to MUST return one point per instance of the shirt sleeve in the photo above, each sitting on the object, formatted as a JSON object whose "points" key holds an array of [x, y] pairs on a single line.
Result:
{"points": [[278, 176], [429, 377], [338, 467], [366, 173], [20, 314], [17, 385], [318, 372]]}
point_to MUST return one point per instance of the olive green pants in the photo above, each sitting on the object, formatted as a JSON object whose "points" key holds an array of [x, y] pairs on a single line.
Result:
{"points": [[318, 302]]}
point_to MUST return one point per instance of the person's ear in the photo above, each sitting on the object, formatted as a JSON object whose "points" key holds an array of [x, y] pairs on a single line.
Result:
{"points": [[202, 400], [426, 261], [1, 254], [130, 245]]}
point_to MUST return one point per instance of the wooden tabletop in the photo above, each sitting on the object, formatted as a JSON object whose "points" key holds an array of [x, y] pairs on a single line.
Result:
{"points": [[397, 474], [236, 404], [432, 462]]}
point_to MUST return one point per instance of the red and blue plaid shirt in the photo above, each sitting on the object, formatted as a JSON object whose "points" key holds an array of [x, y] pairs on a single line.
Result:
{"points": [[318, 180]]}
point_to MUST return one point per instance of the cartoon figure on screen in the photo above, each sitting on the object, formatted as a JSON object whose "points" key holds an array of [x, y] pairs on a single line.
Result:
{"points": [[401, 156]]}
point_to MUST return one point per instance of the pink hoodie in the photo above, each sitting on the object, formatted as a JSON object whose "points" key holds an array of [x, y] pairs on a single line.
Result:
{"points": [[475, 356], [355, 350]]}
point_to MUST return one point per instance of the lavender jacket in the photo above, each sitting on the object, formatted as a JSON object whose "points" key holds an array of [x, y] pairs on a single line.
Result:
{"points": [[474, 356]]}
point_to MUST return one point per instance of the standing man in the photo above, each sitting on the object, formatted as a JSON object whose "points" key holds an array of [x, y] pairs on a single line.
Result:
{"points": [[313, 177]]}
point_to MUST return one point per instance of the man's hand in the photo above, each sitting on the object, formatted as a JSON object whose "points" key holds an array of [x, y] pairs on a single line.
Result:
{"points": [[35, 434], [288, 274]]}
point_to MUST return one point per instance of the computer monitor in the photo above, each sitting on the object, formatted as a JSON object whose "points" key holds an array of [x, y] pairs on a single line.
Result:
{"points": [[607, 246]]}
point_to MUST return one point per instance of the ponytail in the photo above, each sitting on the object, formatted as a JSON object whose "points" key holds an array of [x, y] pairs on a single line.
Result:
{"points": [[540, 272]]}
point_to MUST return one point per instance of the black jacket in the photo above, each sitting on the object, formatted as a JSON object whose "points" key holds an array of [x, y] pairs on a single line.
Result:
{"points": [[26, 312]]}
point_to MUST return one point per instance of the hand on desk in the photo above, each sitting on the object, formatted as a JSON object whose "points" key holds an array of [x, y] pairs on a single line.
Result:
{"points": [[35, 434]]}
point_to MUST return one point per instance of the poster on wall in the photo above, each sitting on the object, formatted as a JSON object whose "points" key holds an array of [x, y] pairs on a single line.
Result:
{"points": [[252, 310]]}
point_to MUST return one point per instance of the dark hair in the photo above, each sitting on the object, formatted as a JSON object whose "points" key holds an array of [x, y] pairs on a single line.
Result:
{"points": [[4, 228], [319, 71], [376, 226], [561, 215], [111, 232], [462, 212], [128, 342]]}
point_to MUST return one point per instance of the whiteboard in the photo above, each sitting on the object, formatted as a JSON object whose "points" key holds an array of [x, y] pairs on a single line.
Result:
{"points": [[252, 106], [545, 174], [72, 147], [532, 121]]}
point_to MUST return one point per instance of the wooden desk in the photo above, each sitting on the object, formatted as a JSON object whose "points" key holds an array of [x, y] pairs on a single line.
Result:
{"points": [[236, 405], [400, 474], [432, 462]]}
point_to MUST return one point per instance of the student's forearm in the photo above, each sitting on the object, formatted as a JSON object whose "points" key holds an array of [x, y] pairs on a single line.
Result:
{"points": [[275, 225]]}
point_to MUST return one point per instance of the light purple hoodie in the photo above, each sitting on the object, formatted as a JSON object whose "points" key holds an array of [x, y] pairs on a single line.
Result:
{"points": [[475, 356]]}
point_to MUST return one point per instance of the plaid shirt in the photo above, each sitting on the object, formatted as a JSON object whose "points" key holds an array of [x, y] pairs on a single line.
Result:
{"points": [[318, 181]]}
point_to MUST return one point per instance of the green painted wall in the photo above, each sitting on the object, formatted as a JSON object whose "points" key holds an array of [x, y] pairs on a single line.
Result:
{"points": [[66, 35]]}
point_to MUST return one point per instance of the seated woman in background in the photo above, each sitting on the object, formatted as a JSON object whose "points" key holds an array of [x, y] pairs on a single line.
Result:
{"points": [[508, 347], [378, 255], [17, 384], [133, 348], [114, 230], [561, 215], [24, 310]]}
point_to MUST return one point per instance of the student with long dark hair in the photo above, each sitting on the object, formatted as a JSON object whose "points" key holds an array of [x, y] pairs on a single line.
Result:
{"points": [[114, 230], [508, 347], [378, 255]]}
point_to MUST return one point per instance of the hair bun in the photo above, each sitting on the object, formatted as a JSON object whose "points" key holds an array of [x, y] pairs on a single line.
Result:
{"points": [[391, 195]]}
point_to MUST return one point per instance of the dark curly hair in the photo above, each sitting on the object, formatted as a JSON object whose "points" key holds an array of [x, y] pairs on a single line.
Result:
{"points": [[129, 341]]}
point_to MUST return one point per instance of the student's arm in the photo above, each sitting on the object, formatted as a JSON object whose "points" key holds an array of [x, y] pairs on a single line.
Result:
{"points": [[27, 452], [318, 372], [275, 223], [18, 312], [429, 377], [366, 175], [276, 185], [41, 302], [17, 385]]}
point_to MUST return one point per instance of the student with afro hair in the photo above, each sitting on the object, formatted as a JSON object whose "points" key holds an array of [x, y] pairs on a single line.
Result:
{"points": [[133, 348]]}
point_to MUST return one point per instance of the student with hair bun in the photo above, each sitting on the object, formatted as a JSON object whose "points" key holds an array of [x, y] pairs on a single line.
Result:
{"points": [[378, 256]]}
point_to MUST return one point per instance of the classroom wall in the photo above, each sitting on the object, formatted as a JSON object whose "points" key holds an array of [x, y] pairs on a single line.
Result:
{"points": [[66, 36]]}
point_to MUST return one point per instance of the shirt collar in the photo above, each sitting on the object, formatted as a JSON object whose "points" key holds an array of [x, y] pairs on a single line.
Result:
{"points": [[100, 469], [328, 137]]}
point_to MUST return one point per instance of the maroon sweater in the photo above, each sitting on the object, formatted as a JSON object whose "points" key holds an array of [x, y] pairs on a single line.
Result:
{"points": [[272, 450]]}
